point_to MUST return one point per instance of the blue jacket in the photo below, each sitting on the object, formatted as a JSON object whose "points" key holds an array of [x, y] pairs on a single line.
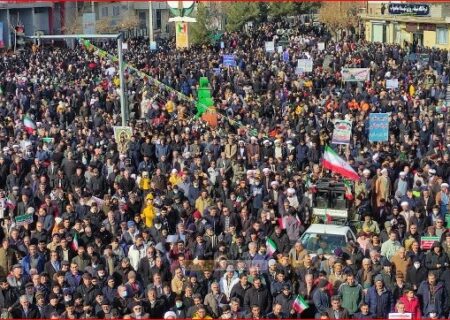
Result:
{"points": [[440, 299], [26, 264], [380, 306], [321, 300]]}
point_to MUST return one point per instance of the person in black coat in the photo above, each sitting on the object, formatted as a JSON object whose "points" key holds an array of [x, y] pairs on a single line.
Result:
{"points": [[416, 273], [25, 310], [258, 295], [239, 289], [8, 295], [154, 306], [53, 307], [179, 308]]}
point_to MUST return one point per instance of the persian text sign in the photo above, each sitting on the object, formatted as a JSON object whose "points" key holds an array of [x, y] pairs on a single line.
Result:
{"points": [[378, 127], [427, 242]]}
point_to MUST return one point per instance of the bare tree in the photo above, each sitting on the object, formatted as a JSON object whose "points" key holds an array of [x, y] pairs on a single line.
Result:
{"points": [[340, 15], [104, 25], [129, 21]]}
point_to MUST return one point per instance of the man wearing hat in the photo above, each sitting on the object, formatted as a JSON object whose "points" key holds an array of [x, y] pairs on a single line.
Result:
{"points": [[380, 299]]}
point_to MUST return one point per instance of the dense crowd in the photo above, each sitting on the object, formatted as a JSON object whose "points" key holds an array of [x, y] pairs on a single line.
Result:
{"points": [[174, 224]]}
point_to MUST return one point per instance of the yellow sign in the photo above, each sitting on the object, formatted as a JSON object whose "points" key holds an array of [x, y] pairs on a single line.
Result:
{"points": [[182, 38]]}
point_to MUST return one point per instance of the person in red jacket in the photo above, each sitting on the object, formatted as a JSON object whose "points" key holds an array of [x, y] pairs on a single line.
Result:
{"points": [[411, 302]]}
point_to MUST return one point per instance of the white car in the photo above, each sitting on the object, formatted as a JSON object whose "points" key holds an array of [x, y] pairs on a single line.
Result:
{"points": [[326, 236]]}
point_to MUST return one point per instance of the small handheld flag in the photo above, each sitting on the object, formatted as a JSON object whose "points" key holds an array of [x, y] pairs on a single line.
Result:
{"points": [[300, 304], [271, 246]]}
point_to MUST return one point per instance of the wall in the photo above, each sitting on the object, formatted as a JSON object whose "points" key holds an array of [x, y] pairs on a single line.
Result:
{"points": [[429, 40]]}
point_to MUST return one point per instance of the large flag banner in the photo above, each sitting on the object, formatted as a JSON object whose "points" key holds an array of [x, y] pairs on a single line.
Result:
{"points": [[355, 74], [300, 304], [333, 162], [342, 132], [378, 127], [29, 125]]}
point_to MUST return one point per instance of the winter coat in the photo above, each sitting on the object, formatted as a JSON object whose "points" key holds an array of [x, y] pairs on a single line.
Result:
{"points": [[412, 306], [379, 305], [351, 295], [425, 298], [260, 297]]}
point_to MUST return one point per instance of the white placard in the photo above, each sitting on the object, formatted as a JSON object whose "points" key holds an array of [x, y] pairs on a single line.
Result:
{"points": [[392, 84], [400, 316], [321, 46], [270, 46], [305, 64], [280, 49], [124, 46]]}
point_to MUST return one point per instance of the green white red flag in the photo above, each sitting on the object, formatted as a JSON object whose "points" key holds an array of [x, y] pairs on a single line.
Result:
{"points": [[333, 162]]}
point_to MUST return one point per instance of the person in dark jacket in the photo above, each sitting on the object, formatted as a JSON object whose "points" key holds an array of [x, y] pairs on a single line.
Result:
{"points": [[53, 307], [380, 299], [179, 308], [281, 240], [436, 260], [87, 290], [240, 288], [258, 295], [25, 310], [286, 299], [416, 273], [321, 298], [432, 296]]}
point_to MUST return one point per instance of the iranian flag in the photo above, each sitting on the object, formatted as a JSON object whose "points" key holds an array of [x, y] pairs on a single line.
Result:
{"points": [[333, 162], [75, 242], [271, 246], [29, 124], [299, 304]]}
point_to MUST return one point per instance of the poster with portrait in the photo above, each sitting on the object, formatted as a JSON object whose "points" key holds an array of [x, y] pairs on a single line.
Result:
{"points": [[122, 135]]}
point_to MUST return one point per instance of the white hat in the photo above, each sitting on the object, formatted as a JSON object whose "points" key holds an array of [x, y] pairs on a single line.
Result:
{"points": [[266, 170], [266, 142], [444, 185], [250, 172], [375, 157], [432, 171], [30, 210], [402, 174], [253, 138], [366, 171], [290, 191], [274, 183], [170, 315], [404, 203], [289, 142], [174, 171]]}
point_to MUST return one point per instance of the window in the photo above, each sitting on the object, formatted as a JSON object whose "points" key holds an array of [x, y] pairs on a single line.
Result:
{"points": [[441, 35], [105, 11], [116, 11], [158, 19]]}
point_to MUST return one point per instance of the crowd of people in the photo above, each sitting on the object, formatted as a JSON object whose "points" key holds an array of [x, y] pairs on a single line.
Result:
{"points": [[174, 223]]}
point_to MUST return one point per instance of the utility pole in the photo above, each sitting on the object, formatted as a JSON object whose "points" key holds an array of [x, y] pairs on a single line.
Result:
{"points": [[150, 22]]}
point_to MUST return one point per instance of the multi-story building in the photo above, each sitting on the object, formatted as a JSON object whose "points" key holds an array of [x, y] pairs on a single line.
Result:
{"points": [[401, 22], [67, 17]]}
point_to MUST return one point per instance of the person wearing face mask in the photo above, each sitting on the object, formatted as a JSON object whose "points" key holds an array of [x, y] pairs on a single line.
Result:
{"points": [[179, 309]]}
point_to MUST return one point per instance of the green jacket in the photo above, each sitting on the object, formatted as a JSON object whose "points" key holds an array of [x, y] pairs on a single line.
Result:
{"points": [[351, 296]]}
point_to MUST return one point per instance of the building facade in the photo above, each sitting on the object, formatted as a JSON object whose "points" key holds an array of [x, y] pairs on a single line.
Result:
{"points": [[67, 17], [425, 24]]}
